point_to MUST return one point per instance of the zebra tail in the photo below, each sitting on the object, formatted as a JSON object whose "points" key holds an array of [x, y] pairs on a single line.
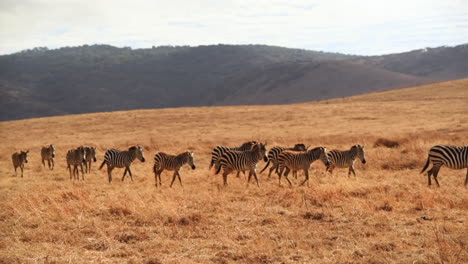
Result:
{"points": [[425, 166], [102, 165], [211, 164], [268, 163]]}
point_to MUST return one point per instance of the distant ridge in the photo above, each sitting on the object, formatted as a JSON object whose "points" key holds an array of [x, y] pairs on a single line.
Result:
{"points": [[42, 82]]}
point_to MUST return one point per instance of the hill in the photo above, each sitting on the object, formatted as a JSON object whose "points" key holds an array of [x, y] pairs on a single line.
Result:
{"points": [[385, 214], [42, 82]]}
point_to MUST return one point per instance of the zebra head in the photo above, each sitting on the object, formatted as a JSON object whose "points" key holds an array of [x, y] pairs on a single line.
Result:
{"points": [[360, 152], [92, 153], [24, 156], [190, 159], [261, 148], [300, 147], [138, 151], [52, 150], [324, 156]]}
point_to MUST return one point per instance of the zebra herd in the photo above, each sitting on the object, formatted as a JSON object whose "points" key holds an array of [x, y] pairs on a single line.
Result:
{"points": [[240, 159]]}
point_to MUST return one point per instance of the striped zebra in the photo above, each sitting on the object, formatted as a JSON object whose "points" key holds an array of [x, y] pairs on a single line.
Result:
{"points": [[242, 160], [346, 159], [163, 161], [19, 159], [116, 158], [295, 161], [454, 157], [76, 158], [48, 153], [276, 151], [218, 152], [90, 157]]}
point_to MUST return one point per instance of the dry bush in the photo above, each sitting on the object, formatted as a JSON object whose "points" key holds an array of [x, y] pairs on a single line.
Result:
{"points": [[383, 142]]}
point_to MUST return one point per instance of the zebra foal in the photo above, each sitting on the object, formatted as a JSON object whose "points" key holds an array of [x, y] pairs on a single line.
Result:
{"points": [[218, 152], [241, 161], [276, 151], [19, 159], [163, 161], [346, 159], [454, 157], [76, 157], [119, 159], [48, 153], [295, 161]]}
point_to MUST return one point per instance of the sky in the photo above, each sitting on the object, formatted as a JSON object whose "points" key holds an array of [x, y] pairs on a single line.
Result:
{"points": [[362, 27]]}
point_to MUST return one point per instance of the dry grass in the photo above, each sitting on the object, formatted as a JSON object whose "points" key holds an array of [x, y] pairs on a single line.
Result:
{"points": [[387, 214]]}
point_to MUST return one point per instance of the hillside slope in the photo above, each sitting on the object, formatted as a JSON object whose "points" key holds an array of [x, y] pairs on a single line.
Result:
{"points": [[97, 78]]}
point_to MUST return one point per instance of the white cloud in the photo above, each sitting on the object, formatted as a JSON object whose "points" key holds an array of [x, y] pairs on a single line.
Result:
{"points": [[362, 27]]}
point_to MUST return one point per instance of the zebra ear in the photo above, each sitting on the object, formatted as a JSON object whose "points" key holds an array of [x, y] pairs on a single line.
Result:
{"points": [[362, 146]]}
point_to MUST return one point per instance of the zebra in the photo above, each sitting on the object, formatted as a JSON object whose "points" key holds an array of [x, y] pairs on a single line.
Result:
{"points": [[295, 161], [163, 161], [346, 159], [76, 157], [90, 157], [242, 160], [19, 159], [454, 157], [48, 153], [276, 151], [218, 152], [116, 158]]}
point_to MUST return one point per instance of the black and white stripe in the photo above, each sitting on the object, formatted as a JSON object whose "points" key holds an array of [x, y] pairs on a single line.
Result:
{"points": [[274, 153], [119, 159], [90, 157], [19, 159], [346, 159], [242, 160], [163, 161], [48, 153], [294, 161], [454, 157], [218, 152], [76, 158]]}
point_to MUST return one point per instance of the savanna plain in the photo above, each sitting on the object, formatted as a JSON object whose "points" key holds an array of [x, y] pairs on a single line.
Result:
{"points": [[386, 214]]}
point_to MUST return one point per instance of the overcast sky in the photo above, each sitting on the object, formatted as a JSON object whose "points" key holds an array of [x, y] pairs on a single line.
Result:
{"points": [[364, 27]]}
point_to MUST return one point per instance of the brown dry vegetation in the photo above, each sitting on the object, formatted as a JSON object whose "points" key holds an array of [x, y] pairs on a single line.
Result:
{"points": [[387, 214]]}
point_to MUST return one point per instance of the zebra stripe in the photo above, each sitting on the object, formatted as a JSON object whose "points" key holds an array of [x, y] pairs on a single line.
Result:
{"points": [[346, 159], [19, 159], [218, 152], [119, 159], [76, 157], [90, 157], [242, 160], [454, 157], [274, 153], [163, 161], [48, 153], [295, 161]]}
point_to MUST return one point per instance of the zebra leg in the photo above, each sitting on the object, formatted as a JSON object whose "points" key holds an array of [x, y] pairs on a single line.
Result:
{"points": [[256, 178], [89, 166], [109, 172], [69, 170], [295, 174], [436, 172], [238, 174], [22, 166], [53, 164], [225, 174], [286, 176], [429, 174], [125, 173], [43, 163], [271, 170], [82, 172], [48, 164], [306, 173], [351, 169], [180, 180], [173, 178]]}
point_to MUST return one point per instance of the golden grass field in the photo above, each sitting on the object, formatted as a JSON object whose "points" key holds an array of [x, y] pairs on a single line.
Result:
{"points": [[387, 214]]}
